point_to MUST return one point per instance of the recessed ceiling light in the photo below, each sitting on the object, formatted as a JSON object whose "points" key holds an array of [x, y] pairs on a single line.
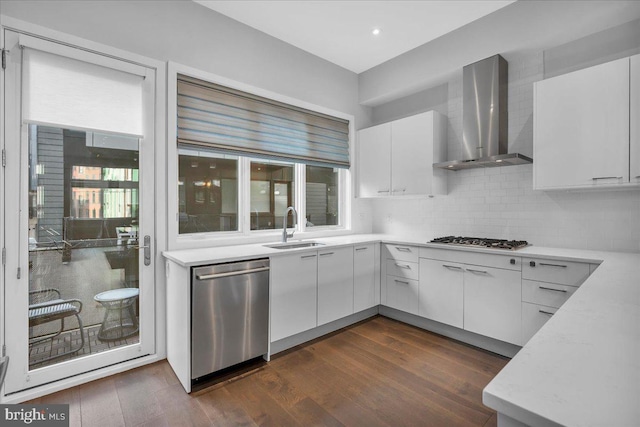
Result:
{"points": [[376, 31]]}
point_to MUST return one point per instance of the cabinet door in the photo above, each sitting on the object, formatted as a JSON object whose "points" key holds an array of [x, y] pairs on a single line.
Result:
{"points": [[635, 119], [364, 279], [402, 294], [581, 128], [374, 166], [335, 284], [534, 316], [492, 303], [411, 154], [293, 294], [441, 291]]}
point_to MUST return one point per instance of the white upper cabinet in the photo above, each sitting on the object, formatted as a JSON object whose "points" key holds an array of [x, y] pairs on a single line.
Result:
{"points": [[396, 158], [634, 142], [582, 127], [374, 161]]}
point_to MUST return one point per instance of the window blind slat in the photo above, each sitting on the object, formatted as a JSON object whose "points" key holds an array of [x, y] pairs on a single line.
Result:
{"points": [[232, 121], [280, 135], [265, 107], [194, 108]]}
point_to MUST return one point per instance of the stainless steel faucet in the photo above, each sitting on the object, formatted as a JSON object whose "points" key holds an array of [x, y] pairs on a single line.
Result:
{"points": [[286, 235]]}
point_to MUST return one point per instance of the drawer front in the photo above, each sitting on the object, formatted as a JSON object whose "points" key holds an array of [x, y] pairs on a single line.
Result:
{"points": [[402, 294], [402, 252], [555, 271], [408, 270], [534, 316], [549, 294], [498, 259]]}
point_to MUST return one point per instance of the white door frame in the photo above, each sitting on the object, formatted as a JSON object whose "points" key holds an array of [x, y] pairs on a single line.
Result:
{"points": [[152, 329]]}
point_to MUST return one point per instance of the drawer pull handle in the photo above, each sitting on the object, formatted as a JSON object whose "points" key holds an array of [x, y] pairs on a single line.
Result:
{"points": [[551, 289], [408, 267], [545, 312], [401, 249], [606, 177], [637, 176], [383, 191], [452, 267], [307, 256], [553, 265], [326, 253], [401, 281], [362, 249], [477, 271]]}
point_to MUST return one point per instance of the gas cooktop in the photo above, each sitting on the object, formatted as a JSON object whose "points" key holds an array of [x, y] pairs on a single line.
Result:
{"points": [[482, 242]]}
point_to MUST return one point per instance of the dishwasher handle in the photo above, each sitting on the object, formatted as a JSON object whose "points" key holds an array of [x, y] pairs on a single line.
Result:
{"points": [[230, 273]]}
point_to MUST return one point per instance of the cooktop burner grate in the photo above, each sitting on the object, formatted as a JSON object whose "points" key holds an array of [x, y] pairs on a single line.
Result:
{"points": [[481, 242]]}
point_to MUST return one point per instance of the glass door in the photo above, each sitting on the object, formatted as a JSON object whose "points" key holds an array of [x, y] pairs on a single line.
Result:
{"points": [[79, 281]]}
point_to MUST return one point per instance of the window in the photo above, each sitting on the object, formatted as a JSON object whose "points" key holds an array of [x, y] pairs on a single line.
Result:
{"points": [[207, 191], [271, 193], [243, 159], [322, 196], [102, 192]]}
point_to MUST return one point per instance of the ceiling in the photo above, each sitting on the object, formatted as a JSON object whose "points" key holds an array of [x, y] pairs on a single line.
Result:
{"points": [[341, 31]]}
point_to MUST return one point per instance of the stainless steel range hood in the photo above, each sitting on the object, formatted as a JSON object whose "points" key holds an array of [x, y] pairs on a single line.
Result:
{"points": [[484, 118]]}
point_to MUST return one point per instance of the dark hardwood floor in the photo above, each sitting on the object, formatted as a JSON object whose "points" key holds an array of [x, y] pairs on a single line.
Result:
{"points": [[379, 372]]}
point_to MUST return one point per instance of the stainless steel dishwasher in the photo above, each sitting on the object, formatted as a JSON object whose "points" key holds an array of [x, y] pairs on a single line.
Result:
{"points": [[230, 315]]}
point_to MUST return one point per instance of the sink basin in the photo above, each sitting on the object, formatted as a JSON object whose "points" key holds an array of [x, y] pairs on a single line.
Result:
{"points": [[293, 245]]}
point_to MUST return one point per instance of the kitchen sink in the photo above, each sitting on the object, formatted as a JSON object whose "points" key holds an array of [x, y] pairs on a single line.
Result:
{"points": [[293, 245]]}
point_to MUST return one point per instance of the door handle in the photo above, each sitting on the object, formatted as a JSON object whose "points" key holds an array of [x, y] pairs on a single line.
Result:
{"points": [[147, 249]]}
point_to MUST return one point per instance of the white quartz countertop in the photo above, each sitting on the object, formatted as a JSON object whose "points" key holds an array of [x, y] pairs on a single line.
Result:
{"points": [[581, 369], [220, 254]]}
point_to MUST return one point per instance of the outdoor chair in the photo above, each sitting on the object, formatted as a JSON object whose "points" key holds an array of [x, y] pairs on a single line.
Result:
{"points": [[45, 306], [4, 364]]}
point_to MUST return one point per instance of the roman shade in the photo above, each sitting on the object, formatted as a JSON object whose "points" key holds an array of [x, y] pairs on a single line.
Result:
{"points": [[232, 121], [75, 89]]}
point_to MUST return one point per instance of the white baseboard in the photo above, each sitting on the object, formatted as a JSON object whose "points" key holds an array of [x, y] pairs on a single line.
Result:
{"points": [[311, 334]]}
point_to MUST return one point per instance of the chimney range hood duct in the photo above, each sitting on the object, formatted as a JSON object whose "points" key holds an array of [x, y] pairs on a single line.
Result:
{"points": [[484, 117]]}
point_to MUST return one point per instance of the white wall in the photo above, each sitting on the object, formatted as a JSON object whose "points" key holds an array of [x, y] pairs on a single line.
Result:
{"points": [[500, 202]]}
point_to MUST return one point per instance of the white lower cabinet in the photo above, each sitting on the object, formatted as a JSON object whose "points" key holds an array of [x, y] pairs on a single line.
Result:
{"points": [[335, 284], [546, 285], [365, 292], [401, 273], [534, 316], [492, 303], [441, 291], [294, 290], [402, 294]]}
